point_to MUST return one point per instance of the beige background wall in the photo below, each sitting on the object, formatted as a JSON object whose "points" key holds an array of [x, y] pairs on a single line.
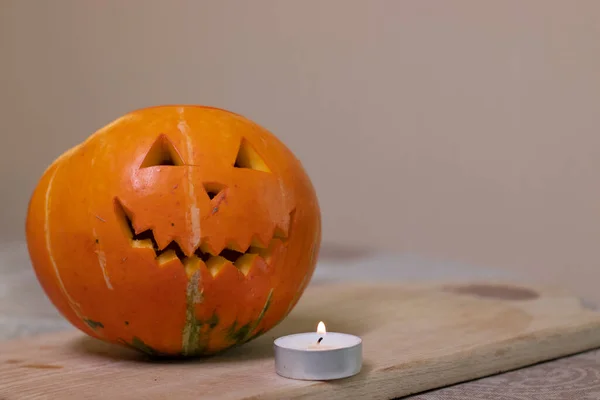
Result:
{"points": [[468, 130]]}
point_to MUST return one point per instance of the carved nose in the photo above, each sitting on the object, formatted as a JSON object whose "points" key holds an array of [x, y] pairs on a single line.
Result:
{"points": [[213, 189]]}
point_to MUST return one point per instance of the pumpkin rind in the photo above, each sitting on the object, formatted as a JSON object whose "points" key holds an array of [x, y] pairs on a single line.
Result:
{"points": [[175, 230]]}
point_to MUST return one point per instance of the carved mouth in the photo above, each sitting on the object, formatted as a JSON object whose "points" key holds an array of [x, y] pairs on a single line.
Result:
{"points": [[242, 259]]}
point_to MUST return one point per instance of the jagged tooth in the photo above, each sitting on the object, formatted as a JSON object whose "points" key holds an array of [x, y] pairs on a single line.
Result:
{"points": [[257, 243], [166, 257], [208, 248], [185, 248], [245, 263], [232, 245], [142, 244], [139, 228], [162, 241], [130, 225], [192, 264], [239, 245], [267, 253], [262, 240], [215, 264]]}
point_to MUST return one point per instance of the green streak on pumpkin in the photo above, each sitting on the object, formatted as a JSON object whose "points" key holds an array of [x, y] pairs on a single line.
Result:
{"points": [[93, 324], [213, 321], [261, 315], [244, 333], [191, 330], [257, 334], [139, 345], [236, 335]]}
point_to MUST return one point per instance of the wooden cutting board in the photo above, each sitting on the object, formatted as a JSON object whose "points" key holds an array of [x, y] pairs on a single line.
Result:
{"points": [[415, 338]]}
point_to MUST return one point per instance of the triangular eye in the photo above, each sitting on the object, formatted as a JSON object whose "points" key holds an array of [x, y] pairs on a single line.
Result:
{"points": [[162, 152], [247, 157]]}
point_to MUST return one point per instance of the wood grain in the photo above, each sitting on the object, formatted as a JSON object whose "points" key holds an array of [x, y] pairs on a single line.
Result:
{"points": [[416, 337]]}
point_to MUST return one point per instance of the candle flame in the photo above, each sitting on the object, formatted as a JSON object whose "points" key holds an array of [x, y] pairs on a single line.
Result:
{"points": [[321, 328]]}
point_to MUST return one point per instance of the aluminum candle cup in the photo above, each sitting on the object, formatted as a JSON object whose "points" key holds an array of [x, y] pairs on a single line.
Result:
{"points": [[318, 355]]}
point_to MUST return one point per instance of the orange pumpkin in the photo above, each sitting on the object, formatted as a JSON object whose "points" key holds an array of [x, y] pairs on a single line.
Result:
{"points": [[177, 230]]}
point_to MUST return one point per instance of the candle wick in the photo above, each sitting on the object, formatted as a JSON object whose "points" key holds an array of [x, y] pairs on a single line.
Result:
{"points": [[319, 341]]}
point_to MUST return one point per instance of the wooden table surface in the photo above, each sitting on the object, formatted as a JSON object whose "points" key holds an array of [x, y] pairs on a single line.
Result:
{"points": [[25, 311]]}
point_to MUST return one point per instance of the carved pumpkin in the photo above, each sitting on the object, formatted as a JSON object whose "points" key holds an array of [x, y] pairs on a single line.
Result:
{"points": [[175, 230]]}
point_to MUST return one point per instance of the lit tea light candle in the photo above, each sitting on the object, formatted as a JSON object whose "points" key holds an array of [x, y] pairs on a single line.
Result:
{"points": [[319, 355]]}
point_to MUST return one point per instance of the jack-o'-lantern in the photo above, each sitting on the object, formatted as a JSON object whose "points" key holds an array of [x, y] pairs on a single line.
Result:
{"points": [[177, 230]]}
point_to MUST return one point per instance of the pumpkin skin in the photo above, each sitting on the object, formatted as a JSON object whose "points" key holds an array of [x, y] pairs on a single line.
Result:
{"points": [[176, 230]]}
